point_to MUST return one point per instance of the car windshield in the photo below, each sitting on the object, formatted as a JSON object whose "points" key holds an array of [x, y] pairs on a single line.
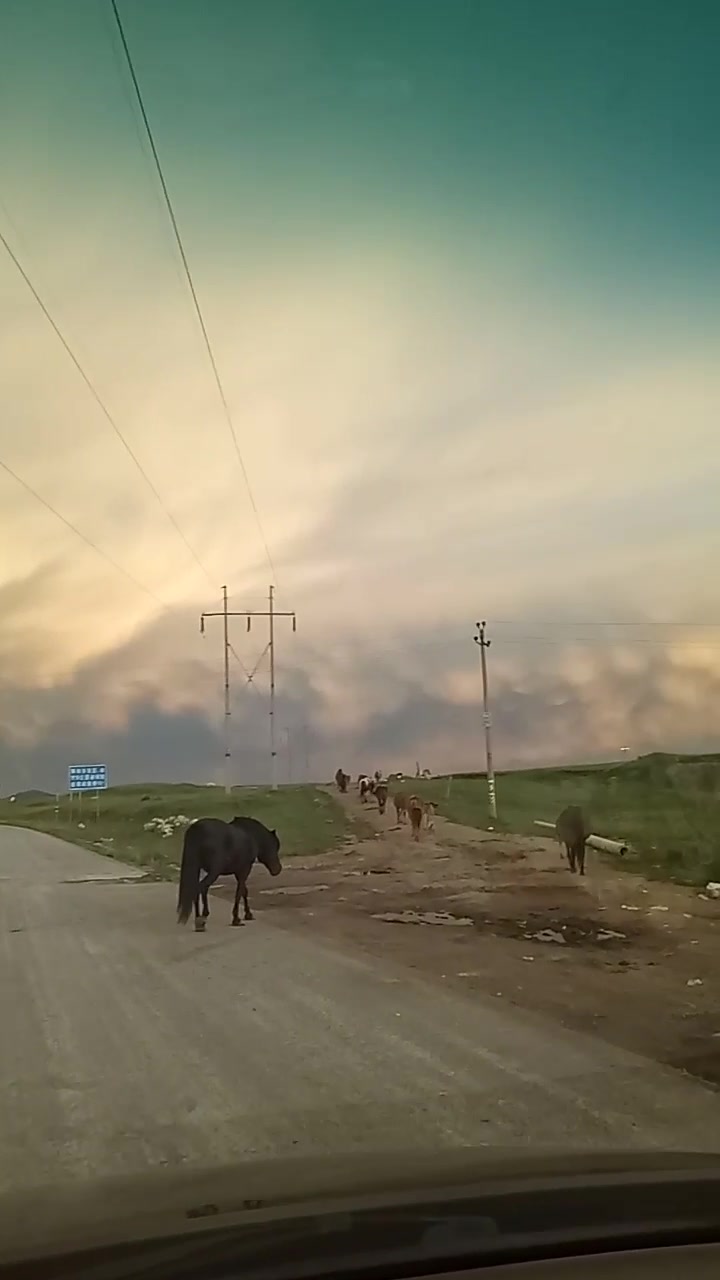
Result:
{"points": [[359, 747]]}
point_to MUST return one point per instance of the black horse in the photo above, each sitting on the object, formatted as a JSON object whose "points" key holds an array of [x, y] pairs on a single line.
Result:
{"points": [[223, 849]]}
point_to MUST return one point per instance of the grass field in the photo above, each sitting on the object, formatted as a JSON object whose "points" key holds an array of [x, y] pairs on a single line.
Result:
{"points": [[666, 807], [307, 819]]}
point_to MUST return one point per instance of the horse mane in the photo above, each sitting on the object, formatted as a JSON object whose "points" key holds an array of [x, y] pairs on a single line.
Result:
{"points": [[264, 834]]}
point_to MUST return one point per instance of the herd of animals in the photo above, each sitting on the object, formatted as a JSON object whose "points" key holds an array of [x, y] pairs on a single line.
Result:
{"points": [[214, 848], [571, 829], [419, 813]]}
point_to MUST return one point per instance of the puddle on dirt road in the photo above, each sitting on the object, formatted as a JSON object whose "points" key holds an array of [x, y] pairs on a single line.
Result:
{"points": [[139, 877], [369, 871], [423, 917], [700, 1057], [557, 929], [293, 890]]}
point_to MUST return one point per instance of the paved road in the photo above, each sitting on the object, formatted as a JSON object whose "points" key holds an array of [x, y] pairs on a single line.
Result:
{"points": [[129, 1042]]}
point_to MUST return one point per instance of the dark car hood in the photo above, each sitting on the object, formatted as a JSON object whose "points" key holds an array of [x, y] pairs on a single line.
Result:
{"points": [[166, 1202]]}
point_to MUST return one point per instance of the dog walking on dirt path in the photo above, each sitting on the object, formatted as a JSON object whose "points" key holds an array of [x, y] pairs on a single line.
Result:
{"points": [[415, 812], [401, 805], [381, 795]]}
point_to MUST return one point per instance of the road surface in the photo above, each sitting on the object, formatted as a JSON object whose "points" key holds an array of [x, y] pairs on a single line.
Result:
{"points": [[129, 1042]]}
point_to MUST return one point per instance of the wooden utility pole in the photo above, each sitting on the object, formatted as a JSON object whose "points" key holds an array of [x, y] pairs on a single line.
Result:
{"points": [[483, 645], [226, 716], [288, 746], [271, 614]]}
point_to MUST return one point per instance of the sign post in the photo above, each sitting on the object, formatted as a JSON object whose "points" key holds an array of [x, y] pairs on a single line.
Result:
{"points": [[87, 777]]}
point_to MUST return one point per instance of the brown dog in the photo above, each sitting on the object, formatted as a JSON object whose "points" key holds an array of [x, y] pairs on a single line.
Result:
{"points": [[401, 805], [415, 813]]}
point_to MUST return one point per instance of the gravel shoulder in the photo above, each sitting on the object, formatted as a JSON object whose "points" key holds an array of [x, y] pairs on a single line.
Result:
{"points": [[130, 1043], [634, 962]]}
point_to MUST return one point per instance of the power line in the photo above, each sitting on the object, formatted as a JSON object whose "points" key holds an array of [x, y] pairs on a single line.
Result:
{"points": [[605, 643], [453, 642], [79, 534], [102, 406], [510, 622], [191, 286]]}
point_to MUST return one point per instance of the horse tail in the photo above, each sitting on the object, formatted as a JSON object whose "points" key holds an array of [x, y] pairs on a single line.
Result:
{"points": [[189, 875]]}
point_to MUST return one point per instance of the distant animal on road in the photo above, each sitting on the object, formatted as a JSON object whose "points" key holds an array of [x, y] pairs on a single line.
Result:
{"points": [[571, 830], [381, 795], [429, 809], [415, 812], [223, 849], [342, 780], [401, 805], [366, 787]]}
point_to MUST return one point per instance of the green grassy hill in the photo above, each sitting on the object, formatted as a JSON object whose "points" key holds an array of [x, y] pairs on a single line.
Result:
{"points": [[666, 806], [307, 819]]}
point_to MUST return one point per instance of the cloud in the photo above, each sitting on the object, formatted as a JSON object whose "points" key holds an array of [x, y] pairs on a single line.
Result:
{"points": [[155, 715], [430, 438]]}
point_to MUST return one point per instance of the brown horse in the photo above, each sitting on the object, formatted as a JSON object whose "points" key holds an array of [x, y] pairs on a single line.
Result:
{"points": [[381, 795], [415, 812], [341, 780], [571, 830]]}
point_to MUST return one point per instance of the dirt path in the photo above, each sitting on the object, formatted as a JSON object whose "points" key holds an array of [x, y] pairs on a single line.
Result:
{"points": [[635, 961]]}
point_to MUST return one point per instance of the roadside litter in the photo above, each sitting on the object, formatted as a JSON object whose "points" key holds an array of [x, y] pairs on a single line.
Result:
{"points": [[167, 826]]}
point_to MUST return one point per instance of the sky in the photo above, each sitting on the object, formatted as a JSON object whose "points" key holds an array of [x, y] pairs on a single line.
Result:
{"points": [[459, 269]]}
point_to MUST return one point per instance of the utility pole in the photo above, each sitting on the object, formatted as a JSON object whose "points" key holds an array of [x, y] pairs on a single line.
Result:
{"points": [[306, 751], [271, 614], [226, 665], [226, 716], [484, 644], [273, 751], [288, 744]]}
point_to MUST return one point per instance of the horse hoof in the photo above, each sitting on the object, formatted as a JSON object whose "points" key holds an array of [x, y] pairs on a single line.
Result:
{"points": [[235, 923], [199, 926]]}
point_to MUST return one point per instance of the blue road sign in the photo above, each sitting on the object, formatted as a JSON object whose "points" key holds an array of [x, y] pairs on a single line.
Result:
{"points": [[87, 777]]}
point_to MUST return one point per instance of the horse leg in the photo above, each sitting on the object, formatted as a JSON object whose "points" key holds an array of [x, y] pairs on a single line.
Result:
{"points": [[236, 904], [199, 922], [246, 905], [581, 858], [238, 894], [202, 893], [570, 857]]}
